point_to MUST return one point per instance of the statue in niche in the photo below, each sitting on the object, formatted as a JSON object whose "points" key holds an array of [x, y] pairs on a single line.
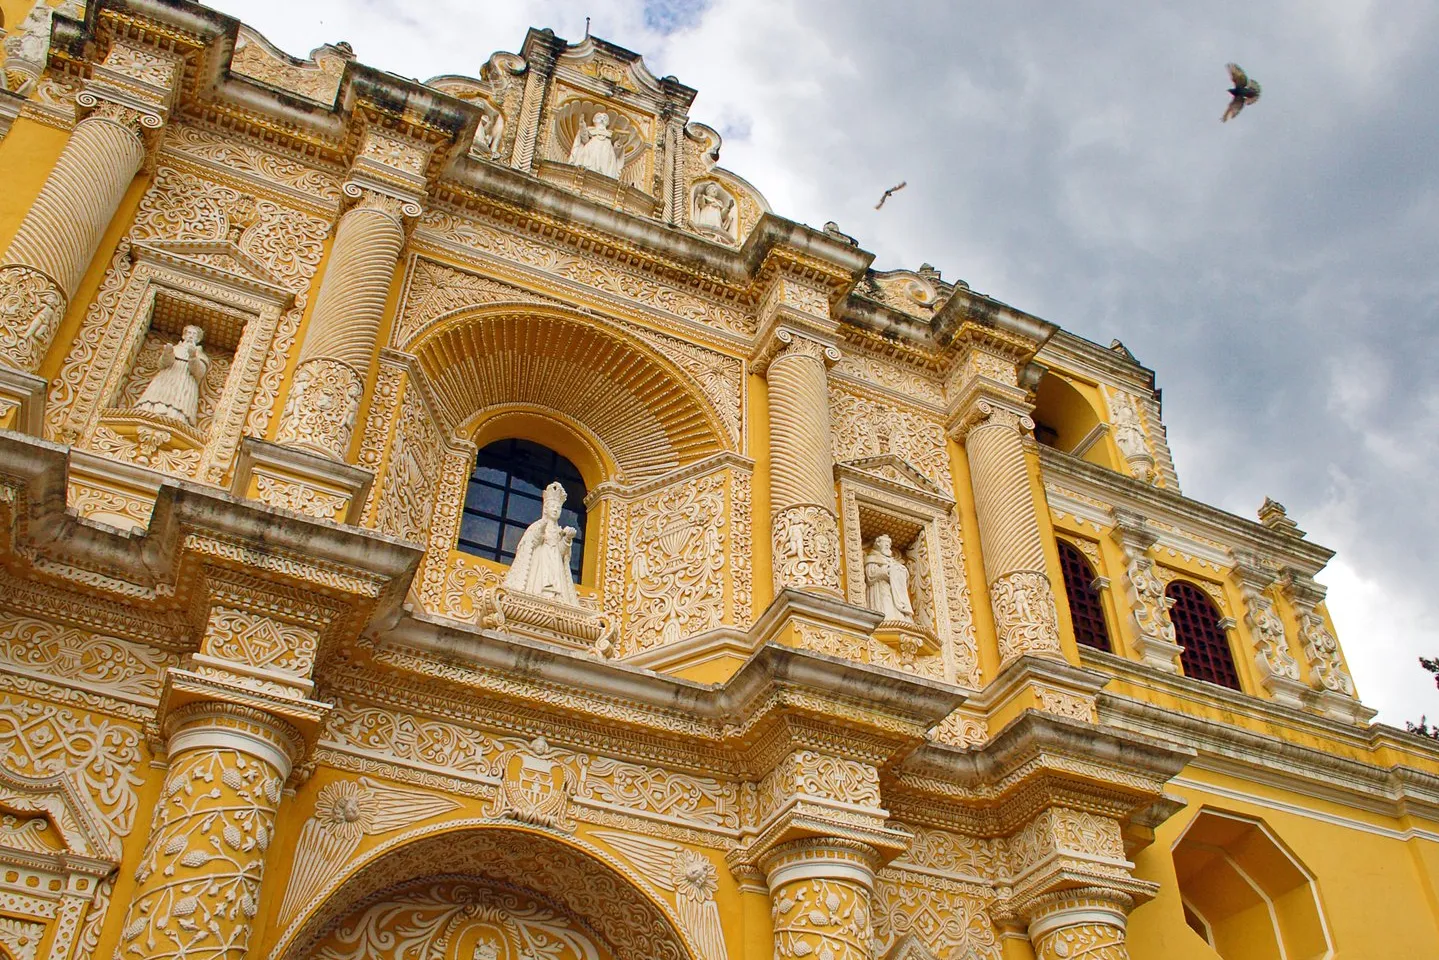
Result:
{"points": [[175, 390], [886, 581], [1128, 431], [542, 559], [713, 211], [491, 133], [595, 148]]}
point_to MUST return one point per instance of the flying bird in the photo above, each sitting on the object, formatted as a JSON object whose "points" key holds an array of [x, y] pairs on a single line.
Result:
{"points": [[1244, 92], [890, 192]]}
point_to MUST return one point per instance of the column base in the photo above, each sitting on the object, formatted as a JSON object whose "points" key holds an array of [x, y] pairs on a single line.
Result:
{"points": [[817, 622], [307, 483]]}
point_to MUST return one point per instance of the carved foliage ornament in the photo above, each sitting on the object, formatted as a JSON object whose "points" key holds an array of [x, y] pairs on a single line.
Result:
{"points": [[31, 308], [459, 918], [322, 406], [677, 562], [806, 548], [199, 879], [346, 811], [1024, 614]]}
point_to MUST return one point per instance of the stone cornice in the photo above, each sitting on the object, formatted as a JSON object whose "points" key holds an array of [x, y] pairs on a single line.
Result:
{"points": [[968, 307], [192, 526], [1072, 353], [1223, 748], [1158, 503], [1037, 760]]}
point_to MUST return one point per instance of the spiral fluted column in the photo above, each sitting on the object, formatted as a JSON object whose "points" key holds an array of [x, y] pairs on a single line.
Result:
{"points": [[197, 886], [340, 344], [58, 238], [1014, 568], [806, 535]]}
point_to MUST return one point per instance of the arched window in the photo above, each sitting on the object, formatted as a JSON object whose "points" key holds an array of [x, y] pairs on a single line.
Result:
{"points": [[505, 497], [1084, 607], [1206, 653]]}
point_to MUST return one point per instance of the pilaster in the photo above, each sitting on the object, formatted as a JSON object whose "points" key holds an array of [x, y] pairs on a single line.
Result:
{"points": [[1331, 687], [1144, 593], [1278, 670]]}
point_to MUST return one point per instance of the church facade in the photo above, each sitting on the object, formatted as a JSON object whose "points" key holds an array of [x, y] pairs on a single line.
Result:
{"points": [[461, 520]]}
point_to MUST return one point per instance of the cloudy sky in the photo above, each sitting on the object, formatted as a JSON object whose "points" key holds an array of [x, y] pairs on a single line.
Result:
{"points": [[1279, 271]]}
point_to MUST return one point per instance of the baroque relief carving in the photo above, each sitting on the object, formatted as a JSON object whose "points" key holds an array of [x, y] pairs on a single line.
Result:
{"points": [[460, 918], [868, 428], [347, 811], [38, 740], [949, 918], [321, 408], [677, 562], [107, 664], [1024, 613], [588, 271], [407, 490], [31, 308], [806, 548], [212, 826], [689, 876]]}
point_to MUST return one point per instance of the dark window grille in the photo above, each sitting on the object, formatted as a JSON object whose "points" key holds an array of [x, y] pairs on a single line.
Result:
{"points": [[1206, 653], [1085, 608], [505, 496]]}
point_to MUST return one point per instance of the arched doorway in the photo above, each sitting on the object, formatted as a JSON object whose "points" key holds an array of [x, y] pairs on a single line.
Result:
{"points": [[462, 891], [459, 918]]}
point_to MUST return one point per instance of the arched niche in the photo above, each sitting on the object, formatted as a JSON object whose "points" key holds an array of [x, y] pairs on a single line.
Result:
{"points": [[643, 417], [641, 408], [1066, 420], [598, 895]]}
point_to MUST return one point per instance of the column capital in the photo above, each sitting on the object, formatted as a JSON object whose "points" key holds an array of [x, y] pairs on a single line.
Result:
{"points": [[989, 409], [789, 341]]}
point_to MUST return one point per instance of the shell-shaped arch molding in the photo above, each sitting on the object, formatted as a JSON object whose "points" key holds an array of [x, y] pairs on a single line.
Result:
{"points": [[648, 414], [579, 879]]}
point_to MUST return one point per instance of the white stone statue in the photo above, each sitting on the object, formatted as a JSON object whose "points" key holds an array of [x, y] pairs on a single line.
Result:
{"points": [[542, 559], [886, 581], [713, 210], [595, 148], [491, 133], [1128, 431], [175, 390]]}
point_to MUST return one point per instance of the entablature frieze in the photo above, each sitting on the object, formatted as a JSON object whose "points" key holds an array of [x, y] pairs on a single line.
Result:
{"points": [[1238, 748], [1098, 495]]}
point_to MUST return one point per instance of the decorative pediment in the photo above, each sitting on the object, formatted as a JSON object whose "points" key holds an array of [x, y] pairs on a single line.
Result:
{"points": [[891, 471], [316, 79], [69, 812], [909, 948], [220, 261]]}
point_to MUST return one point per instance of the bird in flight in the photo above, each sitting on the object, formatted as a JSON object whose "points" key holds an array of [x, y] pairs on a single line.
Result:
{"points": [[1244, 92], [890, 192]]}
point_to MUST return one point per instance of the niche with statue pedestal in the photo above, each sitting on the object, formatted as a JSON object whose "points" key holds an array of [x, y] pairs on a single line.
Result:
{"points": [[187, 341], [895, 526]]}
